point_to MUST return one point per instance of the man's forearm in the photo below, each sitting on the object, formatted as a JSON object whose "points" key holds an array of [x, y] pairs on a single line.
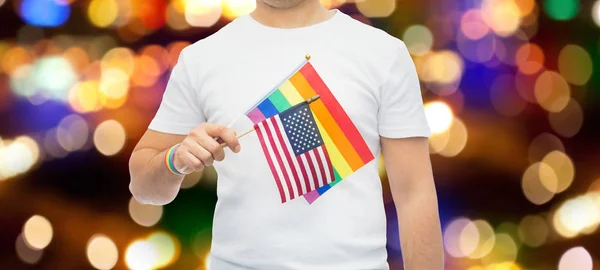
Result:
{"points": [[420, 232], [151, 181]]}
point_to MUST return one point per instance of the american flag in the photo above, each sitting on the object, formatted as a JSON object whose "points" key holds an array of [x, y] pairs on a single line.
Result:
{"points": [[295, 152]]}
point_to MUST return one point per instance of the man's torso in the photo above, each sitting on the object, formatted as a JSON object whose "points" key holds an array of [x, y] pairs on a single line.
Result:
{"points": [[343, 229]]}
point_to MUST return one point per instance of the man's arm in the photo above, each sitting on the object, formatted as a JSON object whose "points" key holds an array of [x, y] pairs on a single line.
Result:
{"points": [[151, 181], [411, 181]]}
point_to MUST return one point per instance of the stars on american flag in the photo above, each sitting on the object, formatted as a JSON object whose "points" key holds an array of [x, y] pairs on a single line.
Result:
{"points": [[301, 129]]}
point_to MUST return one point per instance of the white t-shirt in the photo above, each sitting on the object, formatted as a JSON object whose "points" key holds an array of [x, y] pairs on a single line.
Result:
{"points": [[219, 78]]}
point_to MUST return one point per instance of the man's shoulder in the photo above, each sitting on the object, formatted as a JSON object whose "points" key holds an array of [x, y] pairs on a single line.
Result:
{"points": [[215, 41]]}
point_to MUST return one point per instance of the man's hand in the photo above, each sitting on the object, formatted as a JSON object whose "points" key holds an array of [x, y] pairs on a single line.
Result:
{"points": [[200, 149], [151, 181]]}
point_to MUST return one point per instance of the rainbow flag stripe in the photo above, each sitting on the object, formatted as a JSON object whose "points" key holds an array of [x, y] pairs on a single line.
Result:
{"points": [[347, 149]]}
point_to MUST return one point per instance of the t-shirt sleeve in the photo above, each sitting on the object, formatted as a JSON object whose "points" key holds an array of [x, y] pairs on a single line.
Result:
{"points": [[179, 111], [401, 113]]}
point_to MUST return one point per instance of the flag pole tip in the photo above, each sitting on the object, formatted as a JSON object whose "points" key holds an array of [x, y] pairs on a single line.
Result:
{"points": [[307, 56], [313, 99]]}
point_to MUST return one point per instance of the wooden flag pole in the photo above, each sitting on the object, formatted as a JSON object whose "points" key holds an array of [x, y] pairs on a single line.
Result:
{"points": [[309, 101]]}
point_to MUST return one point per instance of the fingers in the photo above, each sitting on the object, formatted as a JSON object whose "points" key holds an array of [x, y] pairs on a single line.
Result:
{"points": [[199, 149], [212, 147], [184, 158], [226, 134], [229, 137], [191, 161]]}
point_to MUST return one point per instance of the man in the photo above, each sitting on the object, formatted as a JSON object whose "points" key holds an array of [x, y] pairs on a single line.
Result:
{"points": [[218, 78]]}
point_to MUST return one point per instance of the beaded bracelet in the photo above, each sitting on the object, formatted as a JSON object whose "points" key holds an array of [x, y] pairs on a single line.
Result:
{"points": [[169, 160]]}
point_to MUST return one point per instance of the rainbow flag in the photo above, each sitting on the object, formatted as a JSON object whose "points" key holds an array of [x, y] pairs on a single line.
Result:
{"points": [[346, 147]]}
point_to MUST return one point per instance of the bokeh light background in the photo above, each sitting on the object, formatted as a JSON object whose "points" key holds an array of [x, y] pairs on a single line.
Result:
{"points": [[511, 90]]}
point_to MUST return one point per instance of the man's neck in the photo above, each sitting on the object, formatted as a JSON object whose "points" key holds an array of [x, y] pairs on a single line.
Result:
{"points": [[308, 13]]}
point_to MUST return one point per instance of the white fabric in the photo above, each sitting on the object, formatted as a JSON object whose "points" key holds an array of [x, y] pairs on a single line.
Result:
{"points": [[220, 77]]}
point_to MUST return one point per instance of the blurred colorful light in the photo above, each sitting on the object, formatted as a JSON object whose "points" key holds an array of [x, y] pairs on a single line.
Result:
{"points": [[166, 246], [102, 252], [543, 144], [20, 81], [18, 156], [418, 39], [575, 64], [207, 259], [125, 14], [561, 10], [179, 5], [54, 76], [331, 4], [444, 67], [175, 17], [52, 147], [141, 255], [146, 71], [502, 16], [530, 58], [37, 232], [564, 171], [525, 6], [146, 215], [103, 13], [376, 9], [86, 97], [120, 58], [109, 137], [576, 216], [14, 58], [159, 54], [480, 51], [552, 92], [503, 266], [538, 182], [32, 147], [487, 239], [175, 49], [533, 231], [44, 13], [439, 116], [505, 250], [4, 46], [457, 139], [593, 188], [576, 258], [78, 58], [438, 141], [114, 83], [526, 86], [452, 236], [235, 8], [151, 13], [596, 12], [192, 179], [472, 24], [511, 229], [203, 13], [72, 132], [468, 240], [27, 253]]}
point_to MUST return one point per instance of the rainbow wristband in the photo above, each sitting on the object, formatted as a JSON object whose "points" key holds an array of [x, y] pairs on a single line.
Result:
{"points": [[169, 160]]}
